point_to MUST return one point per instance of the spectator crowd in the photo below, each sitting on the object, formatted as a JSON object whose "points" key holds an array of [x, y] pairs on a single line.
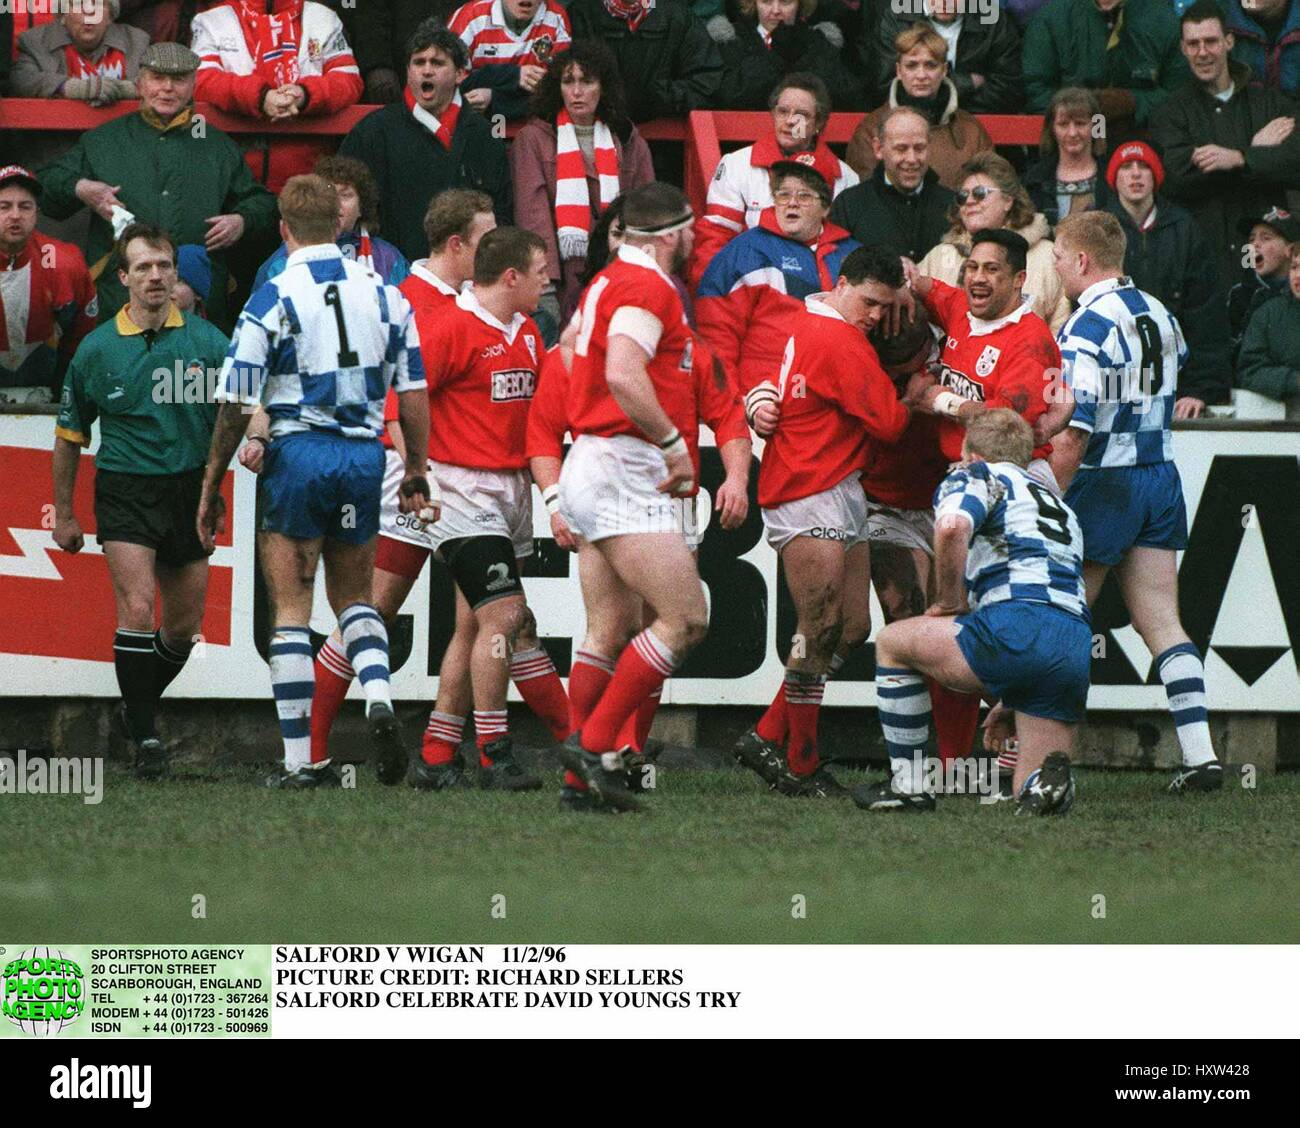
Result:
{"points": [[1178, 118]]}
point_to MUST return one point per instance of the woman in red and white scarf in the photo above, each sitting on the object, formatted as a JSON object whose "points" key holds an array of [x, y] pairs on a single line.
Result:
{"points": [[573, 157], [276, 60]]}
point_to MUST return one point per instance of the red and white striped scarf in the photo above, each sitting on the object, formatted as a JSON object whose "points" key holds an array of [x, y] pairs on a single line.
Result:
{"points": [[272, 40], [572, 198], [633, 11]]}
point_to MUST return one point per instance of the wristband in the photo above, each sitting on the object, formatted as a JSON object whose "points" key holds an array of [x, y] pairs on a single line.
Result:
{"points": [[759, 394], [674, 445], [266, 445], [948, 403], [551, 499]]}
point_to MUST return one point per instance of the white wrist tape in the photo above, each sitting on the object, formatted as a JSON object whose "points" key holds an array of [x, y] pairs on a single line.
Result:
{"points": [[948, 403], [675, 446], [551, 499], [759, 394]]}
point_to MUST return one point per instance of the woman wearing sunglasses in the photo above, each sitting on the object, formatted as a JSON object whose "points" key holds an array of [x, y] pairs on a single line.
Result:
{"points": [[991, 195]]}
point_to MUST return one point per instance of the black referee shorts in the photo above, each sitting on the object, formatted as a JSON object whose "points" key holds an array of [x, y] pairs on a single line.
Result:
{"points": [[155, 510]]}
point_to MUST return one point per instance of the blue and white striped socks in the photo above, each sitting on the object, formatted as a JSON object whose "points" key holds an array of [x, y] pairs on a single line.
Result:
{"points": [[903, 701], [365, 638], [293, 681], [1183, 674]]}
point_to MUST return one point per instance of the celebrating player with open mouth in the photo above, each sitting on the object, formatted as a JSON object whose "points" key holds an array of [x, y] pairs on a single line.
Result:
{"points": [[320, 345], [631, 404], [1015, 547]]}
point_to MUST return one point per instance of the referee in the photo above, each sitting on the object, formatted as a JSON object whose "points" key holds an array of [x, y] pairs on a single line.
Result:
{"points": [[148, 473]]}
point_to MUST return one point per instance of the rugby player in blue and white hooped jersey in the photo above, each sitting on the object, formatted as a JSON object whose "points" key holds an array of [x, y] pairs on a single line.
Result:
{"points": [[319, 346], [1008, 547], [1121, 352]]}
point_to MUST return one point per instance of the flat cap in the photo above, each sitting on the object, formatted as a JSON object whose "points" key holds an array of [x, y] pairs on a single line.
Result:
{"points": [[169, 58]]}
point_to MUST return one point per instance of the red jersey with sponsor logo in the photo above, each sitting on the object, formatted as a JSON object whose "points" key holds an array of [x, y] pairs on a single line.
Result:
{"points": [[430, 297], [835, 400], [481, 376], [996, 363], [631, 297]]}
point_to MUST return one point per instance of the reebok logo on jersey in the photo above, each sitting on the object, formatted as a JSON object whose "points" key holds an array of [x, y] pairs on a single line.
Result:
{"points": [[513, 384]]}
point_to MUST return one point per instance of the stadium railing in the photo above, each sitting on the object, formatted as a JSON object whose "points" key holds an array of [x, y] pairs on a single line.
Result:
{"points": [[709, 129], [703, 133]]}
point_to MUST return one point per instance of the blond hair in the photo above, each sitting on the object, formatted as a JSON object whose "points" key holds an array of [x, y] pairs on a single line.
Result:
{"points": [[1003, 174], [919, 35], [309, 207], [1000, 435], [1097, 234]]}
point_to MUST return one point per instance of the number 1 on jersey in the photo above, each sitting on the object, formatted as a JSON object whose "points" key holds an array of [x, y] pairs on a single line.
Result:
{"points": [[347, 358]]}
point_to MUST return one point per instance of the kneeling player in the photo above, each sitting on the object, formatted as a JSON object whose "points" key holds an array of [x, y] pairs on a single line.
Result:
{"points": [[833, 400], [1016, 548]]}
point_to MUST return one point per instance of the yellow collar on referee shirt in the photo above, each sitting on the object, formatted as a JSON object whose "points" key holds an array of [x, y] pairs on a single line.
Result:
{"points": [[128, 328]]}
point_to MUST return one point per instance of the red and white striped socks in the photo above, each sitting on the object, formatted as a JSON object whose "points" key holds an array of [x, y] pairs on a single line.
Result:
{"points": [[539, 684], [442, 736], [645, 664]]}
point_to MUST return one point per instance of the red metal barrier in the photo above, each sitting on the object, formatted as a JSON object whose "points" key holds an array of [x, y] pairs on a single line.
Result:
{"points": [[710, 128], [703, 134]]}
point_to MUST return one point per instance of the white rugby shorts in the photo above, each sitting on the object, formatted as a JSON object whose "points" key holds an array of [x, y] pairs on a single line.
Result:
{"points": [[837, 514], [905, 528], [393, 523], [484, 503], [607, 489]]}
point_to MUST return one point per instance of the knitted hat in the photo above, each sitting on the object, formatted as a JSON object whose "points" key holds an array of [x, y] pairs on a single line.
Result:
{"points": [[1135, 151], [23, 176], [195, 269]]}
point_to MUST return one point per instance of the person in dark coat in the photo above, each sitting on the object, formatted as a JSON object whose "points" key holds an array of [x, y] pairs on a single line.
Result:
{"points": [[903, 204], [1270, 240], [1270, 352], [1231, 150], [669, 64], [379, 39], [428, 142], [983, 53], [1067, 176], [772, 38], [1267, 39], [1167, 256]]}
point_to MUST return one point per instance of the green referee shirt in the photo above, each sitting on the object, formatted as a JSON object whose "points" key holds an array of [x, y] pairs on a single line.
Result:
{"points": [[150, 391]]}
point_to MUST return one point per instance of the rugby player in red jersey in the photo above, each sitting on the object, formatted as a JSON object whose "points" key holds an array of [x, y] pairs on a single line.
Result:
{"points": [[631, 406], [835, 404], [719, 406]]}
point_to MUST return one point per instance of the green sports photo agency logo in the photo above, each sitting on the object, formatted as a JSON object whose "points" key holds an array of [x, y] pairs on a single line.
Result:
{"points": [[44, 991]]}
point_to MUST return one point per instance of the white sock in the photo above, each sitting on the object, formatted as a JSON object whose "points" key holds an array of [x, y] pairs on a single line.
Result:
{"points": [[1183, 675], [293, 680]]}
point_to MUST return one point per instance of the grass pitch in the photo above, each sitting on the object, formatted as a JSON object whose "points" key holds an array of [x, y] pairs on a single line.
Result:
{"points": [[716, 860]]}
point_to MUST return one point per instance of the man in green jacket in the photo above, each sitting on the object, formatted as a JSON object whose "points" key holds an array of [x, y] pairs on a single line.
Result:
{"points": [[1270, 353], [1125, 51], [166, 166]]}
